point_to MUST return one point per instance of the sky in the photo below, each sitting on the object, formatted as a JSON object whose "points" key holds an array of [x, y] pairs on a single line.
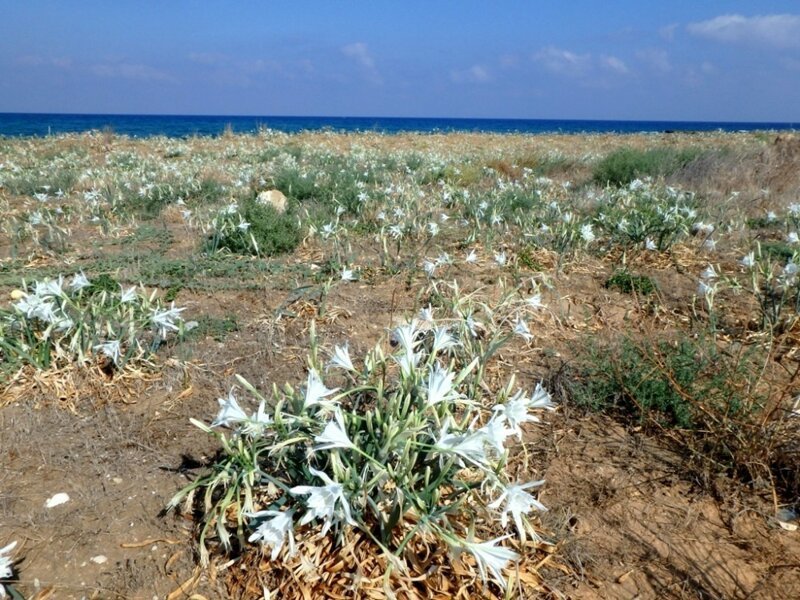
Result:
{"points": [[571, 59]]}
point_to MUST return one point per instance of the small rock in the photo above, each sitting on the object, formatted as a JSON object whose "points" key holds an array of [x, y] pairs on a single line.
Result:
{"points": [[274, 198], [99, 559], [60, 498]]}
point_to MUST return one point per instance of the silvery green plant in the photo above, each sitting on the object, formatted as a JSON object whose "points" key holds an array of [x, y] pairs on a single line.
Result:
{"points": [[776, 288], [647, 215], [410, 443], [54, 323]]}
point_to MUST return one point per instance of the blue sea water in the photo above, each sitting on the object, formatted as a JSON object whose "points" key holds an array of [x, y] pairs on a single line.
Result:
{"points": [[40, 124]]}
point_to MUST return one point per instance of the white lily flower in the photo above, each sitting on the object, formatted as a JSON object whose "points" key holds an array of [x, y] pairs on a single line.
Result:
{"points": [[515, 410], [334, 435], [708, 273], [587, 233], [472, 257], [341, 358], [6, 565], [535, 301], [347, 274], [469, 446], [127, 296], [110, 349], [273, 532], [440, 386], [50, 287], [518, 502], [493, 558], [164, 320], [230, 412], [748, 261], [496, 432], [322, 501], [792, 238], [500, 258], [442, 339], [426, 314], [429, 267], [521, 329], [258, 421], [649, 244], [79, 281], [433, 228], [540, 398], [316, 391]]}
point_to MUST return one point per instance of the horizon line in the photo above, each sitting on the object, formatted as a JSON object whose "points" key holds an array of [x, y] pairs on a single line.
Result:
{"points": [[241, 116]]}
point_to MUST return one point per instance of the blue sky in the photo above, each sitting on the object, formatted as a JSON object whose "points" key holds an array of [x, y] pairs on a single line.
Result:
{"points": [[677, 60]]}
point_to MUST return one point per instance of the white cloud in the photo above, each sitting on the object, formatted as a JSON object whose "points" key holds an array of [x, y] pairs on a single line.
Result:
{"points": [[137, 72], [656, 59], [612, 63], [475, 74], [359, 52], [572, 64], [563, 62], [773, 30]]}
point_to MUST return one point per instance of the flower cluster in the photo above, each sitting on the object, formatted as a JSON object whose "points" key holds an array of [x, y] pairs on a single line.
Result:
{"points": [[409, 444], [54, 322]]}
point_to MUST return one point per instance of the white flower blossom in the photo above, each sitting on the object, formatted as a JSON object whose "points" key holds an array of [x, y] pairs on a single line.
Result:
{"points": [[341, 358], [230, 412], [521, 329], [322, 501], [495, 432], [334, 435], [79, 281], [6, 566], [489, 556], [127, 296], [274, 531], [587, 233], [440, 386], [748, 261], [518, 502], [316, 391], [110, 349]]}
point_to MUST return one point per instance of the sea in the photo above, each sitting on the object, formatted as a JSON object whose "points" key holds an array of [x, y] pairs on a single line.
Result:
{"points": [[183, 126]]}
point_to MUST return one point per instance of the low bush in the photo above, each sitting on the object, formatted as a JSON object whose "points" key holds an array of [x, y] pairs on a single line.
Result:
{"points": [[626, 164], [254, 228]]}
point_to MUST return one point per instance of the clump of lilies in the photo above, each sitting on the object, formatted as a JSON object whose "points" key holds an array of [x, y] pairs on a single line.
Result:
{"points": [[410, 442]]}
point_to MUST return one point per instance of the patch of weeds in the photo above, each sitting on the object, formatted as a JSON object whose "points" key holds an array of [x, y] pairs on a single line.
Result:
{"points": [[214, 327], [525, 258], [626, 164], [630, 283], [29, 183], [777, 250], [102, 283], [715, 404], [765, 222]]}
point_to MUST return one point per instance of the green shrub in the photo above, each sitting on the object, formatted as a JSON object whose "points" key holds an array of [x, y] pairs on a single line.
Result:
{"points": [[254, 228], [629, 283], [626, 164], [710, 402]]}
